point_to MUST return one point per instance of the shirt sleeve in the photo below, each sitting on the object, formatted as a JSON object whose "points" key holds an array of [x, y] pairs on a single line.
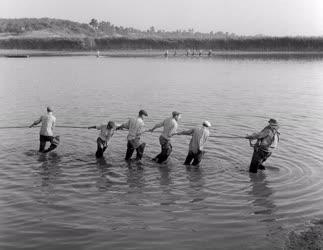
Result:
{"points": [[159, 125], [141, 128], [39, 120], [54, 122], [126, 124], [187, 132], [262, 134]]}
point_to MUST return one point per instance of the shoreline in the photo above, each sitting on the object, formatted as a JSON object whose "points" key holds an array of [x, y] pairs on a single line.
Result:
{"points": [[157, 53]]}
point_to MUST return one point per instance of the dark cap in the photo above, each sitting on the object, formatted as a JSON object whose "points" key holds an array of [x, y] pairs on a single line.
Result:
{"points": [[175, 113], [273, 122], [143, 112], [111, 124], [49, 109]]}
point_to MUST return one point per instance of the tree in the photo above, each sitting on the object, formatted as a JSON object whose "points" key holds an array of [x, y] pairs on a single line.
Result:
{"points": [[94, 23], [152, 29]]}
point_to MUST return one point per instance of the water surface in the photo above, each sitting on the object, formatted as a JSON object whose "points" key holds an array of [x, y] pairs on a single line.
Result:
{"points": [[69, 200]]}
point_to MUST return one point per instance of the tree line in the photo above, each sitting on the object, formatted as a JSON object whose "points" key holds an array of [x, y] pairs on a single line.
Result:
{"points": [[248, 44]]}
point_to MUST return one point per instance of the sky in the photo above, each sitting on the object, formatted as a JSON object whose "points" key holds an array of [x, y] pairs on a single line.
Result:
{"points": [[243, 17]]}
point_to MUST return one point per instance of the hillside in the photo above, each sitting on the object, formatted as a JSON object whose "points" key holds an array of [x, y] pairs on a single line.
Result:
{"points": [[43, 27], [56, 34], [48, 27]]}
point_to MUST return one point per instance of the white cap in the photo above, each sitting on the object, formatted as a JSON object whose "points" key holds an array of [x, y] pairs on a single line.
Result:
{"points": [[206, 124]]}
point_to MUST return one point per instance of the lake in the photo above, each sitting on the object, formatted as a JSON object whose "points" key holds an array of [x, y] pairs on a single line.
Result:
{"points": [[69, 200]]}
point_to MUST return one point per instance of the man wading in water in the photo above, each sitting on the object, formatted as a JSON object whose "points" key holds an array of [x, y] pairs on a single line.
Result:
{"points": [[267, 141], [136, 128], [199, 138], [170, 126], [46, 131], [106, 133]]}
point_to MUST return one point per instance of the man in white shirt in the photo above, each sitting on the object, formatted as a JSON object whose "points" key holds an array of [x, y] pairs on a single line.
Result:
{"points": [[136, 127], [199, 138], [106, 133], [170, 127], [46, 131]]}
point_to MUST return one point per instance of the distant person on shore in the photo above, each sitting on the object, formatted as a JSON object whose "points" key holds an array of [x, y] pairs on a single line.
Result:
{"points": [[170, 127], [199, 138], [46, 133], [136, 128], [267, 141], [106, 133], [188, 52]]}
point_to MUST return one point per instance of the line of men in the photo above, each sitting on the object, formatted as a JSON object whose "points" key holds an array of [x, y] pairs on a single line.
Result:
{"points": [[267, 139]]}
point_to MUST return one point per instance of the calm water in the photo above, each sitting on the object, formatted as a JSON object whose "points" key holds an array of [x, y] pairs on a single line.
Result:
{"points": [[69, 200]]}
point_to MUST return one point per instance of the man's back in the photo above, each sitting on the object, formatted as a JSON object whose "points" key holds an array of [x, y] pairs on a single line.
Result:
{"points": [[269, 138], [199, 138], [136, 127], [48, 123], [170, 127]]}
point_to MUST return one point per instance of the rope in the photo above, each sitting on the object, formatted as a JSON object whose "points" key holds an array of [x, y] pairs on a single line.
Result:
{"points": [[81, 127], [14, 127], [69, 127], [227, 137]]}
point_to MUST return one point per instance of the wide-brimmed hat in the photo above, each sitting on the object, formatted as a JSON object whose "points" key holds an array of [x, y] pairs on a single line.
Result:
{"points": [[273, 122], [206, 124], [143, 112]]}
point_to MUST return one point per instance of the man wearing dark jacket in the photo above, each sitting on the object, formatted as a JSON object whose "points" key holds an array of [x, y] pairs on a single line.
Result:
{"points": [[267, 141]]}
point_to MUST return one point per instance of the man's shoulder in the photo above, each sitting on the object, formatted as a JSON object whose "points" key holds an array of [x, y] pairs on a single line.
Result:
{"points": [[141, 121], [131, 119], [266, 129], [51, 116], [172, 120], [203, 131], [196, 129]]}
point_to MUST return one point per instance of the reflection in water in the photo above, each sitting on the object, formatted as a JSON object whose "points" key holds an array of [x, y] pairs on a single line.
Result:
{"points": [[165, 181], [165, 178], [265, 207], [261, 193], [197, 183], [135, 178], [195, 177], [50, 167], [101, 163], [102, 182]]}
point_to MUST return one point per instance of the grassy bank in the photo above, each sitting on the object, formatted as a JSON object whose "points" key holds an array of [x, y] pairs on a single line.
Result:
{"points": [[87, 44]]}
